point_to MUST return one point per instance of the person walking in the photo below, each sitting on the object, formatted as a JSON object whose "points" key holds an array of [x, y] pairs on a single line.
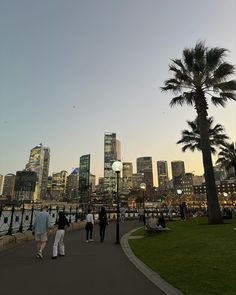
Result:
{"points": [[89, 226], [59, 238], [40, 230], [102, 223], [122, 214]]}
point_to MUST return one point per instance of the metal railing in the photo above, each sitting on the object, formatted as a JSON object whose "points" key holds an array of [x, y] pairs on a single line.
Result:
{"points": [[20, 219]]}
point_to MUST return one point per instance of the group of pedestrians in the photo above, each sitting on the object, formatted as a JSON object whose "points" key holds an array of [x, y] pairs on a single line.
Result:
{"points": [[42, 226]]}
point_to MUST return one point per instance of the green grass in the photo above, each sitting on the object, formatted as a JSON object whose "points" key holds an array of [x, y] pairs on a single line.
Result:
{"points": [[195, 257]]}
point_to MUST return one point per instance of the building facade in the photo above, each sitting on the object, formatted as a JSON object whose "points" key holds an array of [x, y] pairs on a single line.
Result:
{"points": [[72, 185], [112, 153], [127, 173], [1, 183], [8, 186], [178, 171], [59, 185], [162, 174], [39, 162], [144, 165], [25, 183], [84, 181]]}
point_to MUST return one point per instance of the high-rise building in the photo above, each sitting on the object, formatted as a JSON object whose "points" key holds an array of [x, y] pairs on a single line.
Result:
{"points": [[144, 165], [137, 179], [72, 185], [84, 181], [112, 153], [1, 183], [8, 186], [178, 171], [162, 172], [39, 162], [59, 185], [25, 184], [92, 180], [127, 175]]}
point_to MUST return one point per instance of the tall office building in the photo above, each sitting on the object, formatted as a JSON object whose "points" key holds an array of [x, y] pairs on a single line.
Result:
{"points": [[144, 165], [39, 162], [178, 171], [1, 183], [8, 186], [137, 179], [25, 184], [84, 181], [59, 185], [72, 185], [127, 175], [112, 153], [162, 173]]}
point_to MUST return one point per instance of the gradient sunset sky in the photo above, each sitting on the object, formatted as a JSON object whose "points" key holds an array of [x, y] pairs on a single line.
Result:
{"points": [[72, 70]]}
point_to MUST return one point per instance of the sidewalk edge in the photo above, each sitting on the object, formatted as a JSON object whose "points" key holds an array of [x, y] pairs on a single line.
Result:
{"points": [[154, 277]]}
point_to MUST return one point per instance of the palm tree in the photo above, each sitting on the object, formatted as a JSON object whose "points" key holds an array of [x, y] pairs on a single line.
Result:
{"points": [[202, 75], [227, 157], [191, 139]]}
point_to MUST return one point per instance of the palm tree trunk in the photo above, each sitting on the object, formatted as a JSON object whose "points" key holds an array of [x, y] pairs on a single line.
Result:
{"points": [[214, 214]]}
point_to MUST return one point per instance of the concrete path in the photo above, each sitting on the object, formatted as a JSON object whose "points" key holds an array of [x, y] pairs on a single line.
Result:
{"points": [[88, 268]]}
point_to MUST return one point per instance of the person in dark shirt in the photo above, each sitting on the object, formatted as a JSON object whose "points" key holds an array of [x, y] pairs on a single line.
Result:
{"points": [[161, 221], [59, 238], [102, 223]]}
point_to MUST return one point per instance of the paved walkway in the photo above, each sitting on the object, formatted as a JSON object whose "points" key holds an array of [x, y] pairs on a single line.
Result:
{"points": [[88, 268]]}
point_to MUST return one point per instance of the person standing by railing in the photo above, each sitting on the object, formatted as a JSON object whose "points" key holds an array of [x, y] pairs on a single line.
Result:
{"points": [[40, 230]]}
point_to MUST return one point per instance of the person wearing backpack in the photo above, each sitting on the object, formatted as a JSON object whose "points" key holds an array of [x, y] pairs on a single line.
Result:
{"points": [[102, 223]]}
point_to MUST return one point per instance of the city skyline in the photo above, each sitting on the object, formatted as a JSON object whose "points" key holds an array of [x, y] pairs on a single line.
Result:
{"points": [[72, 71]]}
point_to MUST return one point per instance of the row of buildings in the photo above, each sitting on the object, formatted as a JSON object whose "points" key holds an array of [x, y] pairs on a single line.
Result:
{"points": [[35, 183]]}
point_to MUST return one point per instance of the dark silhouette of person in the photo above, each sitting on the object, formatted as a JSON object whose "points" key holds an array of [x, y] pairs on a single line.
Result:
{"points": [[181, 210], [102, 223], [161, 221]]}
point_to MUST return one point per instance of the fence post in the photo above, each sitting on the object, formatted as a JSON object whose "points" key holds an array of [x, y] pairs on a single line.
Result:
{"points": [[31, 218], [10, 226], [22, 218]]}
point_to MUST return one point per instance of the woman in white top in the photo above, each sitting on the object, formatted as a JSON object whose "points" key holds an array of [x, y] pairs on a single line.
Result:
{"points": [[89, 226]]}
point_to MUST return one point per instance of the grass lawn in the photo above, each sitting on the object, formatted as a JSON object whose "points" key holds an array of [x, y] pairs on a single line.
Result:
{"points": [[195, 257]]}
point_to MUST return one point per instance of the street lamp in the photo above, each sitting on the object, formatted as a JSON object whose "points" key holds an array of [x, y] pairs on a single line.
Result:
{"points": [[117, 167], [143, 187]]}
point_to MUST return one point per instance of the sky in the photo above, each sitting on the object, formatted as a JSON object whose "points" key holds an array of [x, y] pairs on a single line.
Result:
{"points": [[72, 70]]}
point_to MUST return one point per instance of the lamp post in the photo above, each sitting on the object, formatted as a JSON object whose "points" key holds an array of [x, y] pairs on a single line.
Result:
{"points": [[117, 167], [143, 187]]}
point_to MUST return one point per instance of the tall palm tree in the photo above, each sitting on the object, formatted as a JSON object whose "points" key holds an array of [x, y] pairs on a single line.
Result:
{"points": [[191, 139], [202, 75], [227, 157]]}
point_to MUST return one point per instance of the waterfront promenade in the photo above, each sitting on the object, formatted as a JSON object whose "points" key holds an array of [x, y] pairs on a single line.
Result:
{"points": [[87, 268]]}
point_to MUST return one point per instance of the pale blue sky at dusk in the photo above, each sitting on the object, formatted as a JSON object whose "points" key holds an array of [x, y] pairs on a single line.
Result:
{"points": [[72, 70]]}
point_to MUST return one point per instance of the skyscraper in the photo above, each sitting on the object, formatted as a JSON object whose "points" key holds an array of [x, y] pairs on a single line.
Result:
{"points": [[84, 180], [72, 185], [144, 165], [59, 185], [127, 175], [178, 172], [8, 185], [1, 183], [112, 153], [39, 162], [162, 173]]}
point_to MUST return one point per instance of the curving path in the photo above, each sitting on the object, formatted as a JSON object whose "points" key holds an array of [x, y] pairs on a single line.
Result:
{"points": [[92, 268]]}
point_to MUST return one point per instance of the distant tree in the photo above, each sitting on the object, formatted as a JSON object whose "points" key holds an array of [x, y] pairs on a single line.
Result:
{"points": [[191, 139], [202, 75], [227, 157]]}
